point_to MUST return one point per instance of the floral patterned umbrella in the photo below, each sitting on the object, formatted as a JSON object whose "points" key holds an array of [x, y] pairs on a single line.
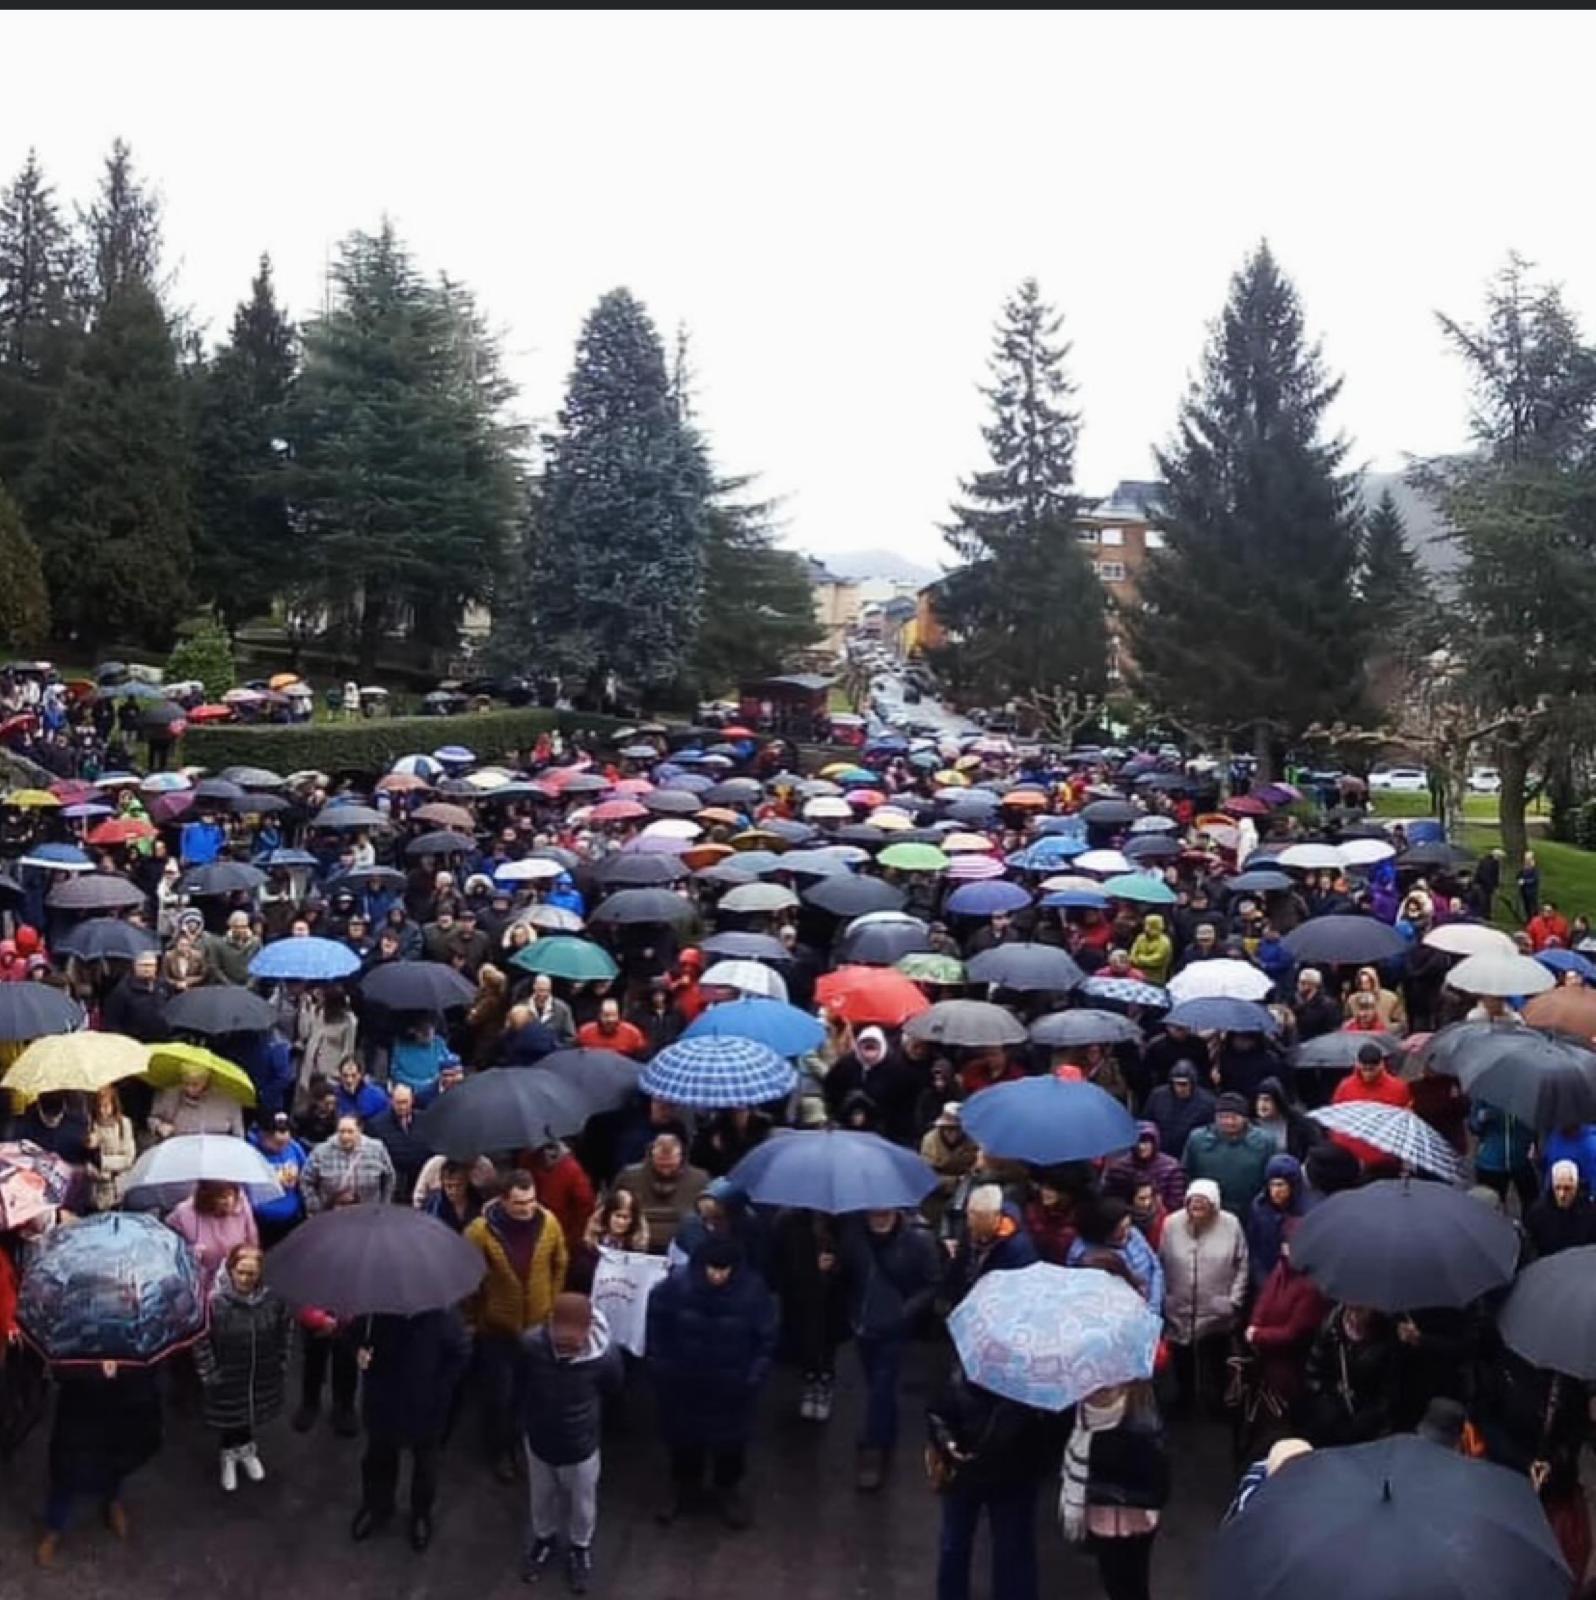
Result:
{"points": [[32, 1182]]}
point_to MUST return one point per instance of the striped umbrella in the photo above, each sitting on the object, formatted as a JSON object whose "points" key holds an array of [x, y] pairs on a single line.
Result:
{"points": [[1397, 1132]]}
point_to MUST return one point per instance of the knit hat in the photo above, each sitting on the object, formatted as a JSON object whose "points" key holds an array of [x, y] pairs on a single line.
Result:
{"points": [[1203, 1189], [1231, 1101], [951, 1115], [719, 1251]]}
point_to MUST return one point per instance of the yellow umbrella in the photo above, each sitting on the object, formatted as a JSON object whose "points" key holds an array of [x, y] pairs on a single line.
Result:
{"points": [[31, 799], [282, 680], [85, 1062], [168, 1062], [959, 842], [889, 821], [757, 839], [949, 779], [836, 767]]}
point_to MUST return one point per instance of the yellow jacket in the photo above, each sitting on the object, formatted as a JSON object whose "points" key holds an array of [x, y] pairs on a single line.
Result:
{"points": [[506, 1304]]}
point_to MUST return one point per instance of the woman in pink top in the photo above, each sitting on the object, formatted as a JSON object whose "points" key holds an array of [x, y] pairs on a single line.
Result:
{"points": [[214, 1219]]}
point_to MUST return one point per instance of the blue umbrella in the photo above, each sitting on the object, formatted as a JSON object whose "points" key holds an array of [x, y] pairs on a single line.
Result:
{"points": [[287, 858], [1062, 828], [1075, 900], [833, 1171], [454, 755], [55, 855], [1125, 992], [1140, 887], [717, 1071], [787, 1030], [1038, 968], [1050, 851], [114, 1287], [1049, 1336], [1568, 961], [106, 939], [308, 959], [1223, 1016], [1047, 1120], [986, 899]]}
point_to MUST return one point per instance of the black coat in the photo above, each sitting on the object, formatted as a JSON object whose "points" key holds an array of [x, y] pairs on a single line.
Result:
{"points": [[893, 1085], [1008, 1444], [1551, 1228], [415, 1364], [105, 1428], [1129, 1465], [243, 1359], [408, 1151], [1351, 1387], [138, 1011], [892, 1278], [562, 1401], [709, 1350]]}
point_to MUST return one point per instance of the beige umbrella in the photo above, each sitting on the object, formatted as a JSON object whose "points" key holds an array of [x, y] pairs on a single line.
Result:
{"points": [[85, 1062]]}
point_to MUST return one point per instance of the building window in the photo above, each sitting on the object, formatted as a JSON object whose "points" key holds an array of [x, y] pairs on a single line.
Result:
{"points": [[1111, 571], [1155, 540], [1086, 535], [1113, 536]]}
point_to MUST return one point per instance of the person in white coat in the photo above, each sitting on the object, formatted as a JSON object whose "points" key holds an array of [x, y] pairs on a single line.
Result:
{"points": [[1204, 1257]]}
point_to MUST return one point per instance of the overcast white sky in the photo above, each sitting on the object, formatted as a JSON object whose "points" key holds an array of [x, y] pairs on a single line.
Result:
{"points": [[836, 204]]}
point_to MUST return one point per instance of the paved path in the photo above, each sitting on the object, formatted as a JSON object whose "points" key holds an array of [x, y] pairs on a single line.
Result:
{"points": [[814, 1535]]}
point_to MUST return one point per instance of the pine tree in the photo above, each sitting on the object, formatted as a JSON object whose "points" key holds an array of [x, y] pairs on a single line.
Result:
{"points": [[404, 475], [1025, 611], [1392, 586], [40, 325], [246, 550], [618, 569], [1249, 622], [24, 601], [110, 498], [122, 230]]}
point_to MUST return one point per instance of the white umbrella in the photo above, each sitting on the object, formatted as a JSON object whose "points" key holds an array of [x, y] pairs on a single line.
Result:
{"points": [[757, 898], [529, 871], [747, 977], [866, 918], [673, 828], [1312, 858], [1470, 939], [827, 808], [1154, 825], [1366, 852], [1104, 862], [1220, 979], [1500, 975], [489, 778], [166, 1172]]}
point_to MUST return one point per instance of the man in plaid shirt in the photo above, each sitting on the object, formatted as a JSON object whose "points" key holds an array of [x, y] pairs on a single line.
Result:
{"points": [[348, 1169]]}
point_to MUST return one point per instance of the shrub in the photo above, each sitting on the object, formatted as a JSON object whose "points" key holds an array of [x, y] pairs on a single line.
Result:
{"points": [[206, 655]]}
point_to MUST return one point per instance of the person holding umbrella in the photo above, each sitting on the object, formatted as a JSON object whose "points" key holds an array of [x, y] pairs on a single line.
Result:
{"points": [[1351, 1378], [1372, 1081]]}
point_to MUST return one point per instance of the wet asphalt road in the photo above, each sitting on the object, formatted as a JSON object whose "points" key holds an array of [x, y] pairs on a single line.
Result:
{"points": [[814, 1534]]}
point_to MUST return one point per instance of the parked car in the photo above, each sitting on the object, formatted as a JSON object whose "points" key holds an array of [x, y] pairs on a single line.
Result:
{"points": [[1485, 780], [1399, 780]]}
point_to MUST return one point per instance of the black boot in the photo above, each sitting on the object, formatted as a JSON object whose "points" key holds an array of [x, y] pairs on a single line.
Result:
{"points": [[578, 1568]]}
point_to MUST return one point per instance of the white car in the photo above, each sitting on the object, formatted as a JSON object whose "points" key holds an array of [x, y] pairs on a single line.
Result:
{"points": [[1485, 780], [1399, 780]]}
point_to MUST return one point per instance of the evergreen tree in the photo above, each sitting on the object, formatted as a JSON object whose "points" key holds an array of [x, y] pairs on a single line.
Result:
{"points": [[1025, 612], [1393, 587], [40, 327], [110, 497], [403, 473], [205, 656], [122, 230], [24, 602], [245, 550], [1249, 622], [619, 563]]}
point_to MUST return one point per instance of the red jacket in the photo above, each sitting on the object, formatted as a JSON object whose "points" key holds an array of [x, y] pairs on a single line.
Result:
{"points": [[626, 1038], [1543, 929], [1289, 1312], [565, 1190], [1386, 1090]]}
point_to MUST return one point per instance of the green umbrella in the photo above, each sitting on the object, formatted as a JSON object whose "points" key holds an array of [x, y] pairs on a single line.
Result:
{"points": [[561, 957], [924, 967], [913, 858]]}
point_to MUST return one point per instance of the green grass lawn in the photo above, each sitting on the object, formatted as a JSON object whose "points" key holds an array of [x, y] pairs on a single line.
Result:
{"points": [[1568, 874]]}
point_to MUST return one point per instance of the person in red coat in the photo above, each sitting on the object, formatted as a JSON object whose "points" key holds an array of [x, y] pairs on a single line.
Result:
{"points": [[609, 1032], [564, 1188], [1370, 1080], [1288, 1313], [1547, 929]]}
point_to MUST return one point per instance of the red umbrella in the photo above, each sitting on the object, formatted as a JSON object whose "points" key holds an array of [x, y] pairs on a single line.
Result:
{"points": [[15, 727], [869, 798], [1246, 805], [125, 830], [618, 811], [73, 791], [738, 731], [169, 807], [871, 994], [211, 713]]}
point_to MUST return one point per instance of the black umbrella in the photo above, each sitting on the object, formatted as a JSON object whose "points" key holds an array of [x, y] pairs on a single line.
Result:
{"points": [[1402, 1245], [643, 905], [1344, 941], [416, 986], [1339, 1051], [356, 1261], [882, 944], [106, 939], [1434, 855], [441, 844], [217, 790], [1546, 1080], [736, 946], [734, 792], [504, 1108], [95, 891], [604, 1079], [260, 805], [641, 869], [728, 874], [866, 838], [223, 877], [553, 852], [972, 1024], [673, 802], [160, 714], [1035, 968], [349, 818], [1550, 1317], [1069, 1030], [584, 783], [790, 832], [252, 777], [217, 1009], [1152, 847], [1399, 1519], [1109, 813], [853, 896], [1262, 881], [367, 880], [32, 1010]]}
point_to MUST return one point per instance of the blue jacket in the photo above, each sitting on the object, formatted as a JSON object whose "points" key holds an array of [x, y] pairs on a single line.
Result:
{"points": [[418, 1062], [201, 843], [1139, 1256], [1266, 1222], [1578, 1147], [269, 1062], [368, 1101], [289, 1207], [1505, 1142]]}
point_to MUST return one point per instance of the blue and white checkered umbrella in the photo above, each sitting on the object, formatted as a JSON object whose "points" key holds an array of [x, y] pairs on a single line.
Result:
{"points": [[1125, 992], [1049, 1336], [718, 1071], [1397, 1132], [308, 959]]}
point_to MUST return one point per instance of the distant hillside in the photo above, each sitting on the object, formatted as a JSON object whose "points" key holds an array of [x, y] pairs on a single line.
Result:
{"points": [[1426, 529], [860, 564]]}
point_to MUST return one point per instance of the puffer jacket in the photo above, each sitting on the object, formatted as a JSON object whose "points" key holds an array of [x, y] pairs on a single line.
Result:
{"points": [[1352, 1385], [507, 1303], [1266, 1222], [892, 1278], [1177, 1119], [243, 1359], [1125, 1173], [1205, 1276], [563, 1396], [1236, 1165]]}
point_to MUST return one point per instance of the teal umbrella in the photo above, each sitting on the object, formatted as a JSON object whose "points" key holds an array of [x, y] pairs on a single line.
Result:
{"points": [[1138, 886], [561, 957]]}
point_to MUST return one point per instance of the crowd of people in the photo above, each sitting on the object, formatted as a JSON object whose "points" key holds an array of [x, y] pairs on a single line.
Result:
{"points": [[1081, 909]]}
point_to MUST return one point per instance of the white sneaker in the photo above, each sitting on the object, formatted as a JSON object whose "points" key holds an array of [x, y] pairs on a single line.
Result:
{"points": [[806, 1406], [229, 1470], [823, 1400], [250, 1461]]}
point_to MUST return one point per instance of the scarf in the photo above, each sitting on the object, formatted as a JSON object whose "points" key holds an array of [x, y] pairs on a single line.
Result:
{"points": [[1089, 1420]]}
